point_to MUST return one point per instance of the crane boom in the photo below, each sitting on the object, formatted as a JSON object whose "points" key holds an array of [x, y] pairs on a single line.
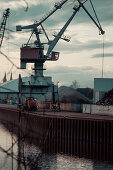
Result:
{"points": [[33, 26], [98, 25], [3, 25], [56, 39], [35, 54]]}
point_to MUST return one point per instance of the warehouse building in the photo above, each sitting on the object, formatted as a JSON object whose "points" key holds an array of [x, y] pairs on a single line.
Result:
{"points": [[9, 90]]}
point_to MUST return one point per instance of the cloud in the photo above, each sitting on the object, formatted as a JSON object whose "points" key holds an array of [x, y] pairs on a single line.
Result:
{"points": [[15, 4], [84, 39], [96, 44], [23, 22], [104, 10], [78, 46], [66, 75], [84, 75], [101, 55]]}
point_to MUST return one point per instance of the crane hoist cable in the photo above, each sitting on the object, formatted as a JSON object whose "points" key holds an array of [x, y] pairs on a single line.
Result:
{"points": [[103, 55], [96, 22], [95, 13], [103, 43]]}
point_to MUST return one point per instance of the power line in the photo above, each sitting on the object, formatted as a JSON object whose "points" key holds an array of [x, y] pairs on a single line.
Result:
{"points": [[27, 71], [9, 59]]}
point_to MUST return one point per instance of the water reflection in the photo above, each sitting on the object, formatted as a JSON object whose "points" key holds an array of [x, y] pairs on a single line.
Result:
{"points": [[23, 151]]}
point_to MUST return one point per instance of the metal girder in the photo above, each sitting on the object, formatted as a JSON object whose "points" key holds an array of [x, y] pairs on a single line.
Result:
{"points": [[3, 25]]}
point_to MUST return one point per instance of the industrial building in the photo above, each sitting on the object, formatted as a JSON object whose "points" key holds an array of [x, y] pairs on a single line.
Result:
{"points": [[9, 90], [101, 85]]}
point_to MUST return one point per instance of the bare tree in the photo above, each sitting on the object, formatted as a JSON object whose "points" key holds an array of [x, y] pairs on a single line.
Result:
{"points": [[75, 84]]}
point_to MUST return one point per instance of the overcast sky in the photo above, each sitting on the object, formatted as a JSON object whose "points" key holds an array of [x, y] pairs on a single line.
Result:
{"points": [[81, 58]]}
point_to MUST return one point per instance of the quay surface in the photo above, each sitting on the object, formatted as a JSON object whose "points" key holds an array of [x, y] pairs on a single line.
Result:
{"points": [[60, 114]]}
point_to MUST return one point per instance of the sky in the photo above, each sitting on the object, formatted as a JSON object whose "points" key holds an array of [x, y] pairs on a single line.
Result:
{"points": [[80, 59]]}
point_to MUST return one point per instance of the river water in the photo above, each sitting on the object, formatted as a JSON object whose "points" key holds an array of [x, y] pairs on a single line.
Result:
{"points": [[20, 153]]}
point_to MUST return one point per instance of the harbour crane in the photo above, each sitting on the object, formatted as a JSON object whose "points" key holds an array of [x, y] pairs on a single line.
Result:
{"points": [[3, 25], [40, 58], [35, 54]]}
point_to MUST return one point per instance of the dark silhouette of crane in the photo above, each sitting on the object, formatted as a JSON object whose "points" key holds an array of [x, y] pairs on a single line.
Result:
{"points": [[36, 54], [3, 25]]}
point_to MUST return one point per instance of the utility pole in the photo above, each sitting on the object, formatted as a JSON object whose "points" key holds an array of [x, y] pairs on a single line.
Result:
{"points": [[20, 96]]}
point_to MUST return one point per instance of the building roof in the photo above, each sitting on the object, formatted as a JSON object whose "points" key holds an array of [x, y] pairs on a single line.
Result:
{"points": [[11, 86]]}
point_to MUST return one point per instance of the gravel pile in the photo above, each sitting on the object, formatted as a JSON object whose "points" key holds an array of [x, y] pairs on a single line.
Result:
{"points": [[107, 99]]}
